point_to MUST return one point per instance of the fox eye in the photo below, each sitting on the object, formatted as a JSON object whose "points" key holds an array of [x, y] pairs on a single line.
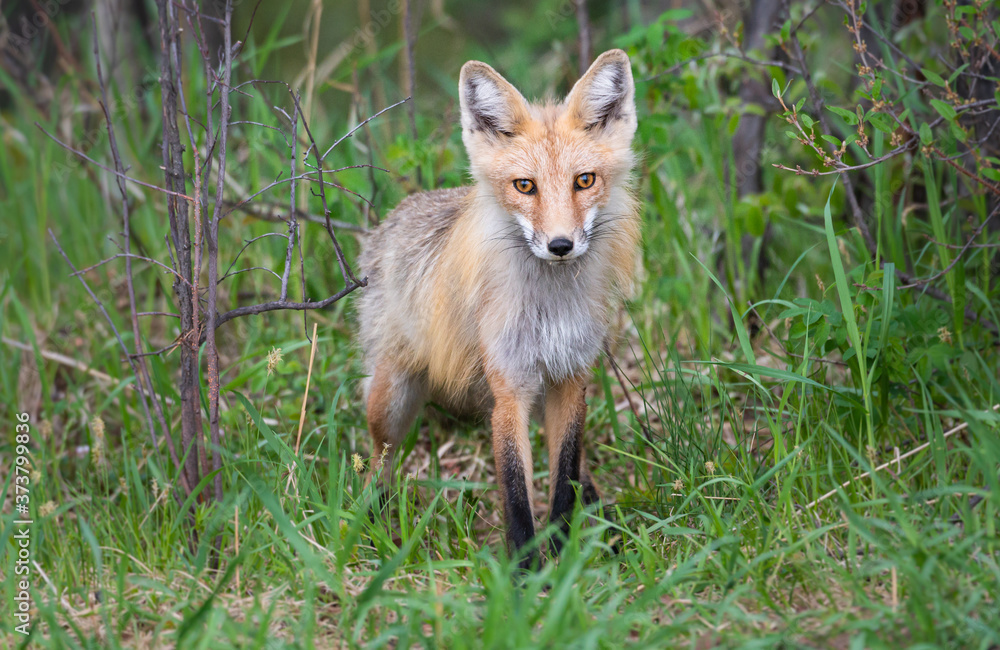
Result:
{"points": [[524, 186], [584, 181]]}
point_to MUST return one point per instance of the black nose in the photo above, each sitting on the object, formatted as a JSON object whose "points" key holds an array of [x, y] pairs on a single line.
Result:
{"points": [[560, 246]]}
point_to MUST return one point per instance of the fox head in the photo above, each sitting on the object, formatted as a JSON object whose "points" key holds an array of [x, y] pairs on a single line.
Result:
{"points": [[552, 167]]}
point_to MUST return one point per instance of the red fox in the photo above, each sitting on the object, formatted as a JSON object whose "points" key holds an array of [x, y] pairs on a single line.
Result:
{"points": [[499, 295]]}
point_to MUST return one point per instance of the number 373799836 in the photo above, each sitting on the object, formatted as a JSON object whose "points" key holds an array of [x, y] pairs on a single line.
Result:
{"points": [[22, 462]]}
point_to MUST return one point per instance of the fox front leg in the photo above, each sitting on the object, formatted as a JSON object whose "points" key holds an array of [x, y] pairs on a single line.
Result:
{"points": [[512, 455], [565, 413]]}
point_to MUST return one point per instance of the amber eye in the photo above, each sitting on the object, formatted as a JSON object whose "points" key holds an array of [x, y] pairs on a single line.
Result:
{"points": [[584, 181], [524, 186]]}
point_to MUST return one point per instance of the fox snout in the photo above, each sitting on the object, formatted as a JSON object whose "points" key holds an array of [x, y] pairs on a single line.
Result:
{"points": [[559, 247], [558, 240]]}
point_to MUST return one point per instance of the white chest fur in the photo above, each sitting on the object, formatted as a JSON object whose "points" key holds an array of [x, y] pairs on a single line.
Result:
{"points": [[546, 321]]}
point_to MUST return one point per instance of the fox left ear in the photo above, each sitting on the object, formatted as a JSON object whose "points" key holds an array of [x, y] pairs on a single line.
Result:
{"points": [[490, 104], [604, 98]]}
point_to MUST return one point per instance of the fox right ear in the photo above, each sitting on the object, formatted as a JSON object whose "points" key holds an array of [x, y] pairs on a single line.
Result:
{"points": [[490, 104]]}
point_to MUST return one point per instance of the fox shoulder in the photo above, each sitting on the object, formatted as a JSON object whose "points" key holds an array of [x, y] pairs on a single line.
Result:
{"points": [[418, 221]]}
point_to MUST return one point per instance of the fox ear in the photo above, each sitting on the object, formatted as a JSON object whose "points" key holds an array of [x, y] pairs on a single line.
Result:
{"points": [[490, 104], [604, 97]]}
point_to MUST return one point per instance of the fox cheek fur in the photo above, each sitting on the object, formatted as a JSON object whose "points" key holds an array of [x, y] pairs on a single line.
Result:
{"points": [[497, 296]]}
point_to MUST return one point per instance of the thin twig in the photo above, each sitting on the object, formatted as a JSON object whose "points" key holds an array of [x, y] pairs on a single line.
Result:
{"points": [[897, 459], [121, 343], [361, 124], [246, 243], [958, 257], [143, 376], [841, 168], [279, 304], [292, 223], [345, 268], [725, 55], [134, 257], [118, 174], [269, 212]]}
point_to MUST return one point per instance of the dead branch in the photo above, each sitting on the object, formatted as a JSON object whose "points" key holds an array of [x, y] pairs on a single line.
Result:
{"points": [[261, 308], [958, 257], [141, 391], [143, 375], [120, 175]]}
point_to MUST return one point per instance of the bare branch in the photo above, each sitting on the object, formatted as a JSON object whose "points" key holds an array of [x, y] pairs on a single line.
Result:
{"points": [[269, 212], [279, 304], [958, 257], [725, 55], [121, 343], [245, 245], [345, 268], [293, 229], [134, 257], [211, 351], [842, 168], [119, 174], [143, 376], [361, 124]]}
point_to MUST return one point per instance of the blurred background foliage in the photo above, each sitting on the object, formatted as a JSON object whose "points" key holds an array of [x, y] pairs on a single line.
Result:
{"points": [[771, 336]]}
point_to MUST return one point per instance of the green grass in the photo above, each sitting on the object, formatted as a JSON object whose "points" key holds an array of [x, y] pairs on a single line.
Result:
{"points": [[714, 531]]}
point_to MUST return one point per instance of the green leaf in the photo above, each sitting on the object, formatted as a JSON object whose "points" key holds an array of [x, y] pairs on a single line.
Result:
{"points": [[755, 221], [933, 77], [957, 131], [944, 110], [776, 373], [958, 71], [847, 115], [775, 88], [882, 122], [926, 137], [734, 123]]}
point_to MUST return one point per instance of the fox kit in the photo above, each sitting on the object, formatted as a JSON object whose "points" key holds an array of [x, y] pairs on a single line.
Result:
{"points": [[499, 295]]}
